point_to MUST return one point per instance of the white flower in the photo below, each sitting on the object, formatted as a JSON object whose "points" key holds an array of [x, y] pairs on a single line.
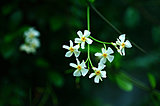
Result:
{"points": [[80, 68], [123, 44], [72, 49], [31, 41], [105, 55], [31, 33], [27, 48], [99, 74], [35, 43], [83, 38]]}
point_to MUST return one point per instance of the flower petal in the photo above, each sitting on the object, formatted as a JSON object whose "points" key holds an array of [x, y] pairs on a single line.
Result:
{"points": [[101, 66], [118, 42], [86, 33], [103, 74], [66, 47], [83, 64], [103, 50], [109, 51], [110, 58], [128, 44], [79, 33], [91, 75], [71, 43], [83, 45], [76, 47], [84, 71], [103, 60], [77, 73], [119, 51], [68, 54], [78, 62], [123, 51], [77, 40], [96, 79], [122, 37], [73, 65], [89, 41], [94, 68], [98, 54], [77, 53]]}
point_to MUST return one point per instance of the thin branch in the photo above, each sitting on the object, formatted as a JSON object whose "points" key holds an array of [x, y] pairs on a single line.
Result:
{"points": [[116, 29]]}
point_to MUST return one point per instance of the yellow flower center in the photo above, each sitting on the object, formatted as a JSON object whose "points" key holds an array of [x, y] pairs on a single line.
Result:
{"points": [[104, 55], [98, 72], [79, 67], [83, 39], [71, 49], [123, 45], [33, 45], [31, 35]]}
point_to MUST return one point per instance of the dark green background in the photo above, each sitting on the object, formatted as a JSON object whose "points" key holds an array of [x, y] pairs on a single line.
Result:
{"points": [[46, 77]]}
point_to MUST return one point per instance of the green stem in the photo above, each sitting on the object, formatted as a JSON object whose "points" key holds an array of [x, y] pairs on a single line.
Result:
{"points": [[86, 60], [106, 20], [88, 23], [104, 46], [88, 18], [99, 41], [116, 29], [89, 60]]}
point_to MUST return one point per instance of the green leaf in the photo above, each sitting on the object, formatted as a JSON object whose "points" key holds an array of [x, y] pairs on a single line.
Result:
{"points": [[123, 83], [155, 34], [152, 80], [131, 17], [92, 1], [77, 80], [56, 23], [41, 62], [8, 38], [56, 79], [69, 71]]}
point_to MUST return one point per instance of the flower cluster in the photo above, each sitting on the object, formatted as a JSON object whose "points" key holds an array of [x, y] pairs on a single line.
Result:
{"points": [[105, 55], [31, 41]]}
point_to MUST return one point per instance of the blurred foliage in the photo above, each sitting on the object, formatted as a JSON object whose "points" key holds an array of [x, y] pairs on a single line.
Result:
{"points": [[123, 83], [45, 79]]}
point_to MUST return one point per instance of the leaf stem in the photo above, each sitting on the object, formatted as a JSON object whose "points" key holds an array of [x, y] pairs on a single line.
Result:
{"points": [[88, 24], [116, 29], [99, 41]]}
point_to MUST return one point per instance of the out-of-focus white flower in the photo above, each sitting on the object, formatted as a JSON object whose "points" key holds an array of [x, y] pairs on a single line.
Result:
{"points": [[31, 33], [105, 55], [35, 43], [80, 68], [72, 49], [27, 48], [31, 41], [122, 44], [99, 74], [83, 38]]}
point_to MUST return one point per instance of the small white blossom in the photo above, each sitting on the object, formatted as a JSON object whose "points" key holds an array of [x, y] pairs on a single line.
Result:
{"points": [[105, 55], [31, 33], [31, 41], [99, 73], [72, 49], [27, 48], [83, 38], [122, 44], [35, 43], [30, 47], [80, 68]]}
